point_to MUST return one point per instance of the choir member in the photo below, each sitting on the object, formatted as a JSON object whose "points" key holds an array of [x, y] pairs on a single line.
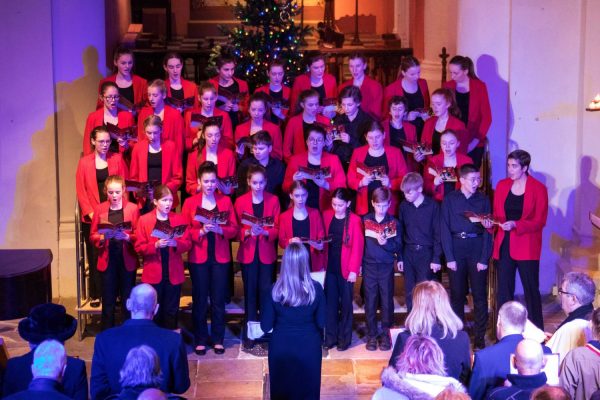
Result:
{"points": [[319, 185], [370, 89], [177, 87], [227, 86], [257, 253], [131, 87], [117, 259], [257, 110], [344, 254], [446, 116], [155, 160], [375, 154], [209, 258], [279, 93], [474, 104], [162, 257], [397, 130], [92, 172], [315, 79]]}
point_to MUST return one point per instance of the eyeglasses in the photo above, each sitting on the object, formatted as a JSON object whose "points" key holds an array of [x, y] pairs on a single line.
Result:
{"points": [[112, 98], [561, 292], [315, 141], [103, 141]]}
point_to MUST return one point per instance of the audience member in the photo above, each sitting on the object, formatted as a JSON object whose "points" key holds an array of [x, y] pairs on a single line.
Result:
{"points": [[112, 346], [140, 371], [550, 393], [580, 370], [46, 322], [529, 361], [450, 393], [152, 394]]}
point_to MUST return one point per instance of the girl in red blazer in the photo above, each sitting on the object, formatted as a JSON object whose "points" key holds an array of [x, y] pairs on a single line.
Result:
{"points": [[193, 129], [414, 89], [374, 154], [446, 114], [473, 102], [171, 118], [278, 92], [257, 253], [108, 114], [161, 257], [209, 259], [210, 150], [370, 89], [294, 139], [521, 207], [300, 221], [117, 259], [316, 79], [344, 256], [92, 172], [319, 188], [152, 160], [434, 181], [132, 87], [257, 111], [226, 82], [177, 87], [396, 130]]}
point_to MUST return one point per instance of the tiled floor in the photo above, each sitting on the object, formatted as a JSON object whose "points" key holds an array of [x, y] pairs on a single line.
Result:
{"points": [[353, 374]]}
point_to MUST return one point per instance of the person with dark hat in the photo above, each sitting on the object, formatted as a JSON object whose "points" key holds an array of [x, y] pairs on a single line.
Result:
{"points": [[46, 322]]}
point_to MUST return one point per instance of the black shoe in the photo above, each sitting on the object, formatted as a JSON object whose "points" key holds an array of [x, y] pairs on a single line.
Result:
{"points": [[199, 351], [343, 347], [95, 303], [371, 344], [385, 342], [219, 350]]}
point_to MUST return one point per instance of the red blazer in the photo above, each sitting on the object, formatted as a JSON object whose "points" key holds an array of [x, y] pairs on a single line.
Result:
{"points": [[372, 94], [267, 246], [140, 88], [96, 118], [411, 135], [171, 167], [352, 251], [318, 258], [151, 259], [395, 89], [199, 251], [302, 83], [243, 85], [286, 95], [526, 238], [192, 132], [294, 141], [130, 213], [338, 178], [189, 90], [453, 123], [480, 113], [437, 163], [397, 170], [86, 184], [173, 129], [244, 130], [225, 167]]}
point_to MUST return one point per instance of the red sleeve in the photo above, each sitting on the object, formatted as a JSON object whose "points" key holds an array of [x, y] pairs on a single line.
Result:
{"points": [[358, 244], [277, 142], [83, 195], [176, 178], [401, 170], [184, 243], [188, 211], [338, 178], [288, 179], [135, 216], [354, 177], [230, 230], [288, 139], [191, 174], [179, 132], [274, 230], [285, 229], [428, 181], [537, 221], [227, 131], [87, 146], [239, 209], [96, 238], [145, 244]]}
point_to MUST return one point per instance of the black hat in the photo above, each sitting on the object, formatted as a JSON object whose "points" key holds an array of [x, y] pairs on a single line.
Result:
{"points": [[47, 321]]}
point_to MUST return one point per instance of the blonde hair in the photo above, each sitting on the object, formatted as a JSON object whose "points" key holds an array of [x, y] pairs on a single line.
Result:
{"points": [[421, 355], [431, 307], [294, 287]]}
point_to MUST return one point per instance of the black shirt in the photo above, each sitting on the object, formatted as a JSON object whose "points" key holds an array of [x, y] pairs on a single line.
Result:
{"points": [[313, 190], [416, 101], [101, 176], [454, 222], [513, 206], [435, 141], [301, 228], [155, 166], [462, 100], [421, 225], [233, 88], [210, 237], [275, 174], [321, 91], [396, 135], [449, 187], [258, 211], [374, 252], [355, 128], [277, 96], [334, 260], [177, 93], [127, 93], [164, 258], [371, 161], [115, 247]]}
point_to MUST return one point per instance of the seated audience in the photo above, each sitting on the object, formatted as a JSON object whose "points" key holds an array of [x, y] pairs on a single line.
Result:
{"points": [[419, 372], [529, 361], [452, 394], [550, 393], [46, 322], [580, 370]]}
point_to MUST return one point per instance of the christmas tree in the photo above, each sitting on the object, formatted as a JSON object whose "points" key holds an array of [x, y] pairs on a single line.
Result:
{"points": [[268, 31]]}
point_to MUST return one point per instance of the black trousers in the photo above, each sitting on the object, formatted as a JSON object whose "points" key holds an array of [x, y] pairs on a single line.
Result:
{"points": [[338, 296], [209, 279], [168, 303], [417, 268], [116, 280], [466, 254], [529, 272], [95, 278], [257, 278], [379, 288], [477, 156]]}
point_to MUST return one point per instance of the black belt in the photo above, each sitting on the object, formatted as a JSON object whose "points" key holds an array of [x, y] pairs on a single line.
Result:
{"points": [[418, 247], [466, 235]]}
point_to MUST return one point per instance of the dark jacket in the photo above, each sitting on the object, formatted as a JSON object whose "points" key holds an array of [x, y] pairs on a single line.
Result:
{"points": [[521, 389], [41, 388]]}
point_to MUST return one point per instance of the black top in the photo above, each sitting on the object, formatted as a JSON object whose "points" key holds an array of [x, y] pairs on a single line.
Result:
{"points": [[275, 174], [177, 93], [115, 247], [462, 100], [355, 128], [101, 176], [454, 222], [306, 126], [513, 206], [371, 161], [127, 93], [334, 254], [210, 237], [435, 141], [420, 226], [301, 228], [164, 258], [449, 187], [233, 88], [321, 91], [155, 166], [275, 96], [416, 101], [396, 135], [374, 252], [258, 211], [313, 190]]}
